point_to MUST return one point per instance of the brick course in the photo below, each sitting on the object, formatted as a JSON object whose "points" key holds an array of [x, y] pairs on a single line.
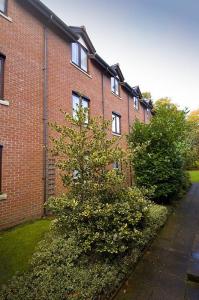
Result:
{"points": [[22, 42]]}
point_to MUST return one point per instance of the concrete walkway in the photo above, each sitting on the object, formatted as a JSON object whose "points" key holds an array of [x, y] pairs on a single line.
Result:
{"points": [[162, 273]]}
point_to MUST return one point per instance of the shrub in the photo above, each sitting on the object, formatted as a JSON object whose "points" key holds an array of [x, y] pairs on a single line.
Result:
{"points": [[98, 209], [60, 271], [102, 226], [159, 151]]}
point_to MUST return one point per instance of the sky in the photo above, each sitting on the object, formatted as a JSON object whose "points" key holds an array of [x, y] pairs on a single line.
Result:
{"points": [[155, 42]]}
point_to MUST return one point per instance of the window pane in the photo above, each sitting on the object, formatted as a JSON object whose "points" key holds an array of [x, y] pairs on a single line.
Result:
{"points": [[75, 105], [118, 124], [83, 60], [113, 84], [136, 103], [3, 5], [116, 87], [113, 123], [1, 76], [85, 105], [116, 165], [75, 53]]}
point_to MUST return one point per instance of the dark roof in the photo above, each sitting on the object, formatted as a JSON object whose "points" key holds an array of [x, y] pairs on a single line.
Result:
{"points": [[117, 69], [72, 34], [136, 92], [148, 103], [82, 32], [103, 64]]}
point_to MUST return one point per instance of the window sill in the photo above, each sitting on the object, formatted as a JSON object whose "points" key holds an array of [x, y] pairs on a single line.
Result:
{"points": [[4, 102], [78, 68], [116, 134], [116, 95], [5, 17], [3, 197]]}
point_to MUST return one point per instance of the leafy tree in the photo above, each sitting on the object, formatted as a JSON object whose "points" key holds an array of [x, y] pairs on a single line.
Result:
{"points": [[160, 149], [193, 157], [98, 210], [147, 95]]}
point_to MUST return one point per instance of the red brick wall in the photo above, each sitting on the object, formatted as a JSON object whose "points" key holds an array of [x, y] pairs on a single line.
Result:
{"points": [[22, 41], [21, 123]]}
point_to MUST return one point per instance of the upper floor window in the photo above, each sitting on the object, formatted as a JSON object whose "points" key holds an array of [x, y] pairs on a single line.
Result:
{"points": [[136, 102], [3, 6], [79, 56], [79, 101], [115, 85], [1, 152], [2, 60], [116, 123]]}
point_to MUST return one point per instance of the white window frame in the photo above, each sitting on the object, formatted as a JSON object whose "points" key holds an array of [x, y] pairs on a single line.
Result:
{"points": [[115, 88], [80, 52], [116, 123], [81, 101], [136, 103]]}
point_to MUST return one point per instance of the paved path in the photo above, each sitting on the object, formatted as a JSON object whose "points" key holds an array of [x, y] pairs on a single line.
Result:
{"points": [[161, 273]]}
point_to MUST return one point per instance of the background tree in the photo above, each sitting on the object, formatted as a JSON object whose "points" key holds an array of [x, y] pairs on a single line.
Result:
{"points": [[147, 95], [160, 149], [193, 158]]}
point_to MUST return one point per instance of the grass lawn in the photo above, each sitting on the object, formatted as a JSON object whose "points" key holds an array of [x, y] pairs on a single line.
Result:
{"points": [[17, 246], [194, 176]]}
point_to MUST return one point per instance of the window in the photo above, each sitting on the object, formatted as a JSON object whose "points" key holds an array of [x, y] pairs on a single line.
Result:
{"points": [[3, 6], [79, 56], [136, 103], [116, 165], [79, 101], [1, 152], [2, 59], [115, 85], [116, 123]]}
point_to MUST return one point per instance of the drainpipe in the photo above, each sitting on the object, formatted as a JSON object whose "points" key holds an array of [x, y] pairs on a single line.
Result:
{"points": [[128, 114], [130, 168], [102, 94], [45, 112]]}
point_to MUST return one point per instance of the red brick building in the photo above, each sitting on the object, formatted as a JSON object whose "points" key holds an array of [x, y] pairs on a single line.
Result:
{"points": [[44, 67]]}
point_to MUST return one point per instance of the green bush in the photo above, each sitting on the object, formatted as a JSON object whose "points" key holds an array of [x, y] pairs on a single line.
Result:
{"points": [[60, 271], [102, 226], [159, 152], [99, 210]]}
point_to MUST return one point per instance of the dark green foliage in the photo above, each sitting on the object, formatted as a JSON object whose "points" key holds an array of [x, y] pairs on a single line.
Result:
{"points": [[159, 151]]}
